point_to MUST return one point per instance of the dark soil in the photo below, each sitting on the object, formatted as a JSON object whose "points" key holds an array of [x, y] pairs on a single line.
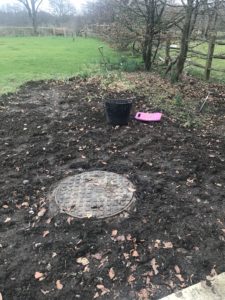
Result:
{"points": [[50, 130]]}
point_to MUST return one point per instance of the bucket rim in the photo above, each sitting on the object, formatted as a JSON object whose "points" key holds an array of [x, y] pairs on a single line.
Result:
{"points": [[119, 101]]}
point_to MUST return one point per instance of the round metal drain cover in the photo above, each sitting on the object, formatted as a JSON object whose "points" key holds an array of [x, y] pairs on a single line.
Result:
{"points": [[96, 194]]}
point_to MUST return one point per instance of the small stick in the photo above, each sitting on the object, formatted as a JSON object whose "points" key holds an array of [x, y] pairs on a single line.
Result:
{"points": [[204, 102]]}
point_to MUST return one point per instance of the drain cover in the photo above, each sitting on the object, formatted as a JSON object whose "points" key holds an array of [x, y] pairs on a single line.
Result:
{"points": [[96, 194]]}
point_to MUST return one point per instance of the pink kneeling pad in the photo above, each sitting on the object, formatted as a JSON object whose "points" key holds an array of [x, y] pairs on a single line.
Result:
{"points": [[148, 117]]}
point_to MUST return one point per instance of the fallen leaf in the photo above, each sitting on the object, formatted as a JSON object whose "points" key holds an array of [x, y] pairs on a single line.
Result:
{"points": [[179, 276], [154, 266], [223, 230], [43, 292], [54, 254], [129, 237], [131, 189], [49, 221], [86, 269], [96, 295], [97, 256], [59, 285], [120, 238], [148, 280], [157, 244], [111, 273], [133, 268], [42, 212], [177, 269], [25, 204], [83, 261], [150, 274], [135, 253], [7, 220], [167, 245], [126, 255], [143, 294], [38, 275], [1, 298], [130, 279], [45, 233], [102, 289], [69, 220], [5, 206], [114, 233]]}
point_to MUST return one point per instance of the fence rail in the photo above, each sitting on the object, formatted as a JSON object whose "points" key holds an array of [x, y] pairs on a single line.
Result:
{"points": [[42, 31]]}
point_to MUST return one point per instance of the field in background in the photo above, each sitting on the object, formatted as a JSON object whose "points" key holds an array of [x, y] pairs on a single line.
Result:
{"points": [[32, 58]]}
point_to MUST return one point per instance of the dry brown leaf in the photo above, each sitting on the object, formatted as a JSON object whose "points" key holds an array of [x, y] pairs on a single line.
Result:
{"points": [[154, 266], [148, 280], [135, 253], [96, 295], [38, 275], [157, 244], [103, 289], [7, 220], [114, 232], [48, 221], [126, 255], [179, 276], [83, 261], [130, 279], [5, 206], [111, 273], [223, 230], [143, 294], [42, 212], [59, 285], [86, 269], [120, 238], [167, 245], [150, 274], [97, 256], [45, 292], [131, 189], [45, 233], [177, 269], [1, 298], [69, 220], [25, 204], [129, 237]]}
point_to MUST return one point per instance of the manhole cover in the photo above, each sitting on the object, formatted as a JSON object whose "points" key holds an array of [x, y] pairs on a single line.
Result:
{"points": [[96, 194]]}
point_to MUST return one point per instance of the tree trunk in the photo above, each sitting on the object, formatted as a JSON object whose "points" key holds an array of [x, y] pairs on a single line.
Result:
{"points": [[34, 23], [147, 54], [185, 35], [211, 46]]}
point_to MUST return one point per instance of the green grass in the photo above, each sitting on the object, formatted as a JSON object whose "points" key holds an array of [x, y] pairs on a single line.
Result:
{"points": [[33, 58]]}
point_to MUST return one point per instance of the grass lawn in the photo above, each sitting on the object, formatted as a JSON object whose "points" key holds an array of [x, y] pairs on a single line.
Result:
{"points": [[33, 58]]}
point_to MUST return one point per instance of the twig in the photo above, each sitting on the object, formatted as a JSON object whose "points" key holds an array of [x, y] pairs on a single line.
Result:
{"points": [[204, 102]]}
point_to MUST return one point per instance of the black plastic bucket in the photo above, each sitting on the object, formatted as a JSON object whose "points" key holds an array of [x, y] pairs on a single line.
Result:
{"points": [[118, 111]]}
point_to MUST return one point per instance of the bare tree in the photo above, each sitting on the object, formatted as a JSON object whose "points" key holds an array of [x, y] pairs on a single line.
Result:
{"points": [[61, 8], [144, 18], [32, 7]]}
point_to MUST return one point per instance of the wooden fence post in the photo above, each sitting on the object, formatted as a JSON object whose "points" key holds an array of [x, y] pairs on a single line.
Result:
{"points": [[211, 47]]}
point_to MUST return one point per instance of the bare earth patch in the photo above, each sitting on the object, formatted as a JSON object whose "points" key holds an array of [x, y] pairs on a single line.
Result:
{"points": [[176, 236]]}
